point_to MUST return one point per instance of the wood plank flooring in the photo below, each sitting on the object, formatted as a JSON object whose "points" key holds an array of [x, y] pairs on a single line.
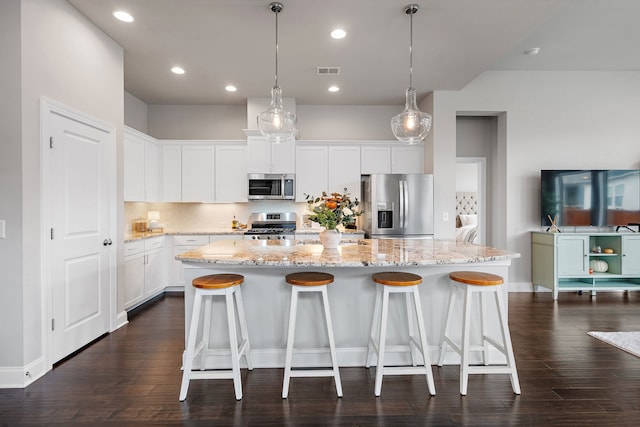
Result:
{"points": [[132, 377]]}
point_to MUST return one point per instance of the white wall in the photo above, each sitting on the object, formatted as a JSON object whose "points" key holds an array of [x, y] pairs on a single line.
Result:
{"points": [[315, 122], [67, 59], [11, 262], [578, 120], [197, 121], [135, 113]]}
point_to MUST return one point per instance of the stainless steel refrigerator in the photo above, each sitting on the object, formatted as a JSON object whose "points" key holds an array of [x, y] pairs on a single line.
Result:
{"points": [[398, 206]]}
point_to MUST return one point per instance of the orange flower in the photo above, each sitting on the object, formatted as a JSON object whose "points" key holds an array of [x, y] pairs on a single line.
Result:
{"points": [[331, 204]]}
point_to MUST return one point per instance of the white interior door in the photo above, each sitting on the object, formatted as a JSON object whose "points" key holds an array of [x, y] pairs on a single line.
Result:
{"points": [[80, 251]]}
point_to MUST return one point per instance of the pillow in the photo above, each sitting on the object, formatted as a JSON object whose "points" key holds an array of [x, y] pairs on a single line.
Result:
{"points": [[458, 223], [468, 220]]}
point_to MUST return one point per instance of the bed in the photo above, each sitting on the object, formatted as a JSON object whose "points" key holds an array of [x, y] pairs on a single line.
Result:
{"points": [[467, 217]]}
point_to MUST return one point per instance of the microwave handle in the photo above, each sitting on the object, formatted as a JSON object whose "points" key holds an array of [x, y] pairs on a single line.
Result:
{"points": [[282, 187]]}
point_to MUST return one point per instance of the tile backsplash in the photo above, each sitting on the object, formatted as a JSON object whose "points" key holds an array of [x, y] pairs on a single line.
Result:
{"points": [[187, 217]]}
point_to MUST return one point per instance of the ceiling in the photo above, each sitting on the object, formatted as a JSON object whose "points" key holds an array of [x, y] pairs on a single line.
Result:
{"points": [[220, 42]]}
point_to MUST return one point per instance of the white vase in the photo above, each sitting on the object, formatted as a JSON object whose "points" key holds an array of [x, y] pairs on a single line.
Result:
{"points": [[330, 239]]}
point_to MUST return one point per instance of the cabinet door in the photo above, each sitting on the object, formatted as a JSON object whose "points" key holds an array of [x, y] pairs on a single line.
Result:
{"points": [[312, 175], [266, 157], [631, 255], [283, 157], [198, 173], [344, 170], [407, 159], [258, 155], [154, 279], [573, 255], [172, 173], [374, 159], [151, 172], [133, 168], [134, 267], [231, 173]]}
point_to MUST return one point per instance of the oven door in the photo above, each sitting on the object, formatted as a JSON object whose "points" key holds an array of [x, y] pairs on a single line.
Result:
{"points": [[265, 187]]}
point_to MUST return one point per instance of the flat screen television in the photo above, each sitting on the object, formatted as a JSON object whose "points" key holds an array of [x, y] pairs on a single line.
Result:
{"points": [[594, 197]]}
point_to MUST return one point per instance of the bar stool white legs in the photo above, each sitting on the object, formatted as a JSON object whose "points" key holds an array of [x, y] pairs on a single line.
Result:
{"points": [[309, 282], [470, 283], [407, 283], [227, 285]]}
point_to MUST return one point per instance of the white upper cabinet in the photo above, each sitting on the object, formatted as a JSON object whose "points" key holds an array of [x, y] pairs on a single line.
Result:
{"points": [[231, 173], [312, 171], [407, 158], [198, 173], [172, 173], [266, 157], [375, 159], [330, 168], [141, 167], [344, 170]]}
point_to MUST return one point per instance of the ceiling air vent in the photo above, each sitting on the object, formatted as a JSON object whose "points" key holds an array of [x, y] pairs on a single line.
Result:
{"points": [[328, 71]]}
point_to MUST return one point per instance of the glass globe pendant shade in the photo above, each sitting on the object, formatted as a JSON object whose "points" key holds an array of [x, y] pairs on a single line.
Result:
{"points": [[276, 124], [411, 126]]}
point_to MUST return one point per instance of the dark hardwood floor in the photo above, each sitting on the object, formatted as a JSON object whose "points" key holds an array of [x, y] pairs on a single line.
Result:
{"points": [[132, 377]]}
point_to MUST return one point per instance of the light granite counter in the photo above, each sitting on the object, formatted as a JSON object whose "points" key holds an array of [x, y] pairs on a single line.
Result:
{"points": [[130, 237], [351, 253], [266, 295]]}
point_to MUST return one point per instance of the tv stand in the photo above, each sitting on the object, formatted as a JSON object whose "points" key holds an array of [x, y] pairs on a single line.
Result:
{"points": [[560, 262]]}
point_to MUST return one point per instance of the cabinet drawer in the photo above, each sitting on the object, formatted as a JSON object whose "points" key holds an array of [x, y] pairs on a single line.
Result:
{"points": [[154, 243], [190, 240], [132, 248]]}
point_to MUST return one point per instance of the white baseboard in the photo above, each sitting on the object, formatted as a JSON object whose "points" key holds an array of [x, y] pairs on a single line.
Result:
{"points": [[524, 287], [22, 376], [121, 320]]}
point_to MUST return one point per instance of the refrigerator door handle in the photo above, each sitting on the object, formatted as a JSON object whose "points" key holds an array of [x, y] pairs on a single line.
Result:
{"points": [[402, 202], [405, 189]]}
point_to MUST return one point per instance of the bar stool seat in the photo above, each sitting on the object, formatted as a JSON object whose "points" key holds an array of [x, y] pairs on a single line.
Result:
{"points": [[470, 283], [309, 282], [207, 287], [407, 284]]}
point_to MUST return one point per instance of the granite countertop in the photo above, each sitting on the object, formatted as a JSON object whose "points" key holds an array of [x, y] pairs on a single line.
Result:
{"points": [[355, 253], [130, 237]]}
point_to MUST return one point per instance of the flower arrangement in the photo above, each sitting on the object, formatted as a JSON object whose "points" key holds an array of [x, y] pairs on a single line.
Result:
{"points": [[334, 210]]}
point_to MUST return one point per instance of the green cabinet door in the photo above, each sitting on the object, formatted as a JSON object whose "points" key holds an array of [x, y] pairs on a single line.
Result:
{"points": [[631, 254], [573, 255]]}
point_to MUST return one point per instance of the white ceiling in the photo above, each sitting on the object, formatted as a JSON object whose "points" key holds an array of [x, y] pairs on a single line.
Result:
{"points": [[233, 41]]}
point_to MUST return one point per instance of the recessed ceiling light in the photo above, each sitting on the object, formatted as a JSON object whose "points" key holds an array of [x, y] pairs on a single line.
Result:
{"points": [[532, 52], [177, 70], [123, 16], [334, 88], [231, 88], [338, 33]]}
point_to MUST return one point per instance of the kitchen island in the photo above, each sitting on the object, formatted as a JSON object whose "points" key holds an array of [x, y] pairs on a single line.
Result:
{"points": [[264, 263]]}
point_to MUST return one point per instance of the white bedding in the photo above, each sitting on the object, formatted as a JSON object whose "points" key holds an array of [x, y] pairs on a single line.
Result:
{"points": [[467, 233]]}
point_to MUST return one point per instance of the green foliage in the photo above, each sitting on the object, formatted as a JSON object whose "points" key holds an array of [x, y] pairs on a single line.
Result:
{"points": [[331, 211]]}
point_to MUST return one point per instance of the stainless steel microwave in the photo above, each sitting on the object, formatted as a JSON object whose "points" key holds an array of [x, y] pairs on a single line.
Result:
{"points": [[267, 186]]}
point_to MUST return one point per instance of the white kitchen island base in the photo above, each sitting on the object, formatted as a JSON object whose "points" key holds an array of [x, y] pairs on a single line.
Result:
{"points": [[352, 295]]}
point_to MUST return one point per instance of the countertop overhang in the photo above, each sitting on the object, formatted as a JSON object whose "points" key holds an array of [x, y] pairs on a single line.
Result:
{"points": [[350, 253]]}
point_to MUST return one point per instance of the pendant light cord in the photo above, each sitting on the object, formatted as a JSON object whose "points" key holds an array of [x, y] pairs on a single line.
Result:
{"points": [[411, 50], [276, 11]]}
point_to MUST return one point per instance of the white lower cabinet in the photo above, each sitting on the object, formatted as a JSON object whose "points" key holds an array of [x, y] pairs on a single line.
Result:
{"points": [[185, 243], [144, 270]]}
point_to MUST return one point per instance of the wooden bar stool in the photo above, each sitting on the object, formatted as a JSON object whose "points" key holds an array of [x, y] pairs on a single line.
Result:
{"points": [[405, 283], [309, 282], [470, 283], [207, 287]]}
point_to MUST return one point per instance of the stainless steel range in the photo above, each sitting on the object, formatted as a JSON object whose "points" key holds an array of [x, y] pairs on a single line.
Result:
{"points": [[277, 226]]}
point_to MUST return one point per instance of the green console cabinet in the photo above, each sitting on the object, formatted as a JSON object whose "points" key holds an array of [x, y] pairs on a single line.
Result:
{"points": [[585, 261]]}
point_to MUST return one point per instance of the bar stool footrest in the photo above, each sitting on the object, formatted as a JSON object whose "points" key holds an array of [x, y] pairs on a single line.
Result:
{"points": [[311, 373]]}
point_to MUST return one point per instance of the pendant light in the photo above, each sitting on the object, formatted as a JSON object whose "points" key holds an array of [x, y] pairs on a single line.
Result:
{"points": [[411, 126], [276, 124]]}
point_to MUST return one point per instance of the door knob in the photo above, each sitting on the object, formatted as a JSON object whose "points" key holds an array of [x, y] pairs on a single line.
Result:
{"points": [[105, 242]]}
